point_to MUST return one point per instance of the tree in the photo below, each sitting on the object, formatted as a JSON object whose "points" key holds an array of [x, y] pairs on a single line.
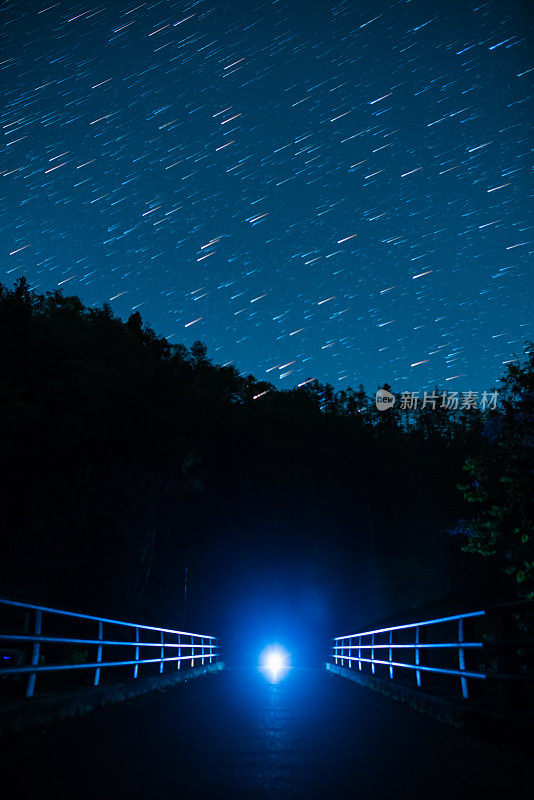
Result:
{"points": [[501, 482], [199, 352], [329, 405], [135, 324]]}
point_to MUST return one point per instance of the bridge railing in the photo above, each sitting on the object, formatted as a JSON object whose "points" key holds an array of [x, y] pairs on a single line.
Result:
{"points": [[428, 647], [488, 654], [44, 645]]}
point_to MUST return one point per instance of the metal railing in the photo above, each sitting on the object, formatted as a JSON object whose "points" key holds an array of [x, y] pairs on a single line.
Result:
{"points": [[488, 655], [190, 649], [391, 643]]}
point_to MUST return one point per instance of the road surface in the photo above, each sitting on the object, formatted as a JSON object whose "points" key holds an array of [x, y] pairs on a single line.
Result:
{"points": [[234, 735]]}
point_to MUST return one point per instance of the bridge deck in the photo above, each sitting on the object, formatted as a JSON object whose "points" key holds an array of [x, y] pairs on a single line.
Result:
{"points": [[233, 735]]}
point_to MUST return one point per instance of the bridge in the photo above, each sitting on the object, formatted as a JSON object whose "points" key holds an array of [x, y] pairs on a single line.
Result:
{"points": [[327, 730]]}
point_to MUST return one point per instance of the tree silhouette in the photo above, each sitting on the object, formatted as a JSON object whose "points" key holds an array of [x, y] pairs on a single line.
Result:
{"points": [[122, 453], [501, 482]]}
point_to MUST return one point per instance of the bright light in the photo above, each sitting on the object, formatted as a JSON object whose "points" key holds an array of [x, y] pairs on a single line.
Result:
{"points": [[274, 663]]}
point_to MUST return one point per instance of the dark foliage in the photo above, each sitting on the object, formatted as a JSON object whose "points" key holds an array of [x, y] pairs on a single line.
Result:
{"points": [[125, 458], [501, 483]]}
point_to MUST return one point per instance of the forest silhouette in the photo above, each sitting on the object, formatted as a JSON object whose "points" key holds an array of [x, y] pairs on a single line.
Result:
{"points": [[126, 459]]}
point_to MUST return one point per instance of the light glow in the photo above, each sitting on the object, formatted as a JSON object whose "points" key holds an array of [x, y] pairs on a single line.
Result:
{"points": [[274, 663]]}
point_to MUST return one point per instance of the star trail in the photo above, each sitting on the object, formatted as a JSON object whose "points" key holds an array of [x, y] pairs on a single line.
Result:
{"points": [[330, 190]]}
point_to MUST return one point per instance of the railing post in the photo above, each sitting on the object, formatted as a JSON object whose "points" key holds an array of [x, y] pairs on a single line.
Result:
{"points": [[193, 651], [179, 662], [461, 659], [161, 652], [417, 657], [390, 654], [372, 654], [211, 650], [359, 652], [202, 643], [35, 654], [136, 667], [99, 653]]}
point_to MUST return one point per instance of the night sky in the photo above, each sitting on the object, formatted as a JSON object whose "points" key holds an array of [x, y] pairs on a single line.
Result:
{"points": [[330, 190]]}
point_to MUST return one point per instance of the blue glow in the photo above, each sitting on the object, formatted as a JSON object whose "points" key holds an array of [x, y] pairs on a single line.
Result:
{"points": [[275, 663]]}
